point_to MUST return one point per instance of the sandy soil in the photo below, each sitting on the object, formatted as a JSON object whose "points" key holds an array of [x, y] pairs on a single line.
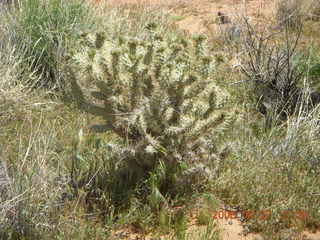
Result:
{"points": [[199, 15]]}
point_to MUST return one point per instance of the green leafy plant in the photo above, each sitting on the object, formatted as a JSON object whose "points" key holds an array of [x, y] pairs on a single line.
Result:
{"points": [[159, 97]]}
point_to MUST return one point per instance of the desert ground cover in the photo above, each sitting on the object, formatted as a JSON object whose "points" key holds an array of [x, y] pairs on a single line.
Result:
{"points": [[159, 119]]}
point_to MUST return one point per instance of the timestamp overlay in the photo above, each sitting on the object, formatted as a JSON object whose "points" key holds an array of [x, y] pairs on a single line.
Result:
{"points": [[261, 214]]}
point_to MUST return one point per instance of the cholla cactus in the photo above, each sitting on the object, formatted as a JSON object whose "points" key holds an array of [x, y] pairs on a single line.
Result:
{"points": [[159, 97]]}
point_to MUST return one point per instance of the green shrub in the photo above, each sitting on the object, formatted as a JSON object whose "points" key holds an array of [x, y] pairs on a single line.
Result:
{"points": [[312, 69], [160, 99]]}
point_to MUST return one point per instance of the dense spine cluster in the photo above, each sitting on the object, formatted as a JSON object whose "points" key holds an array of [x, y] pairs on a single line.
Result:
{"points": [[158, 95]]}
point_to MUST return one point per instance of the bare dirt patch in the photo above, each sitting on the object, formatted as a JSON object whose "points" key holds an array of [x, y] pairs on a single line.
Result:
{"points": [[197, 15]]}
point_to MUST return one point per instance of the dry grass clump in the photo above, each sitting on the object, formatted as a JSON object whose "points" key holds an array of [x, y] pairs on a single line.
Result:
{"points": [[293, 13], [37, 144], [275, 172], [28, 193], [43, 33]]}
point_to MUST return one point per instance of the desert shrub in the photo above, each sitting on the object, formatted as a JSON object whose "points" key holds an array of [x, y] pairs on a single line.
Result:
{"points": [[43, 32], [160, 99], [289, 13], [293, 13], [275, 75]]}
